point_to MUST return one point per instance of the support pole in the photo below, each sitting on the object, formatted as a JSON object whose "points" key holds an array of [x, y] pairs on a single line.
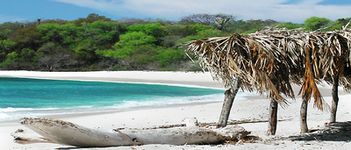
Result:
{"points": [[303, 115], [273, 114], [229, 96], [335, 100]]}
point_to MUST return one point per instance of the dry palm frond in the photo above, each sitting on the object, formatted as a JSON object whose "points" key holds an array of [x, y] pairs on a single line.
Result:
{"points": [[270, 60]]}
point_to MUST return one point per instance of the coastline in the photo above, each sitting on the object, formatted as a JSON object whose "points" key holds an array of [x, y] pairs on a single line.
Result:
{"points": [[189, 79], [174, 114], [104, 110], [180, 79], [186, 79]]}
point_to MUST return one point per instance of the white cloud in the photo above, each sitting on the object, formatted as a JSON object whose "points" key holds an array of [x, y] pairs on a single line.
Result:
{"points": [[244, 9]]}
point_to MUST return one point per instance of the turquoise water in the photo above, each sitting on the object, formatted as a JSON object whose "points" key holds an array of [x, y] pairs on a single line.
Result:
{"points": [[22, 96], [38, 93]]}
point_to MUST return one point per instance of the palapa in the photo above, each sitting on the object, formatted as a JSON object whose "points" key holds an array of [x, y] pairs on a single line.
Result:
{"points": [[269, 61]]}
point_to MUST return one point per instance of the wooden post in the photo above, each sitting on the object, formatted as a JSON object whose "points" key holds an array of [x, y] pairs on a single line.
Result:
{"points": [[335, 100], [273, 114], [229, 96], [303, 115]]}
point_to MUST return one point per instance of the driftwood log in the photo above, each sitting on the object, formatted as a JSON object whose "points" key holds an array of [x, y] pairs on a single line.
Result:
{"points": [[66, 133]]}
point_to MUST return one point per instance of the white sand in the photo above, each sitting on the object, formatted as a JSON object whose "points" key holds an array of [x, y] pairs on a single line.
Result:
{"points": [[254, 108]]}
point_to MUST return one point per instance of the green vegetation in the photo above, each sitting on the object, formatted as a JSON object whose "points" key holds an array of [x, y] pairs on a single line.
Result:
{"points": [[316, 23], [99, 43]]}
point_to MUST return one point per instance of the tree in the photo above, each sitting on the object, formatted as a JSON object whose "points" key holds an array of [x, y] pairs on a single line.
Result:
{"points": [[50, 32], [26, 37], [198, 18], [133, 48], [220, 21], [103, 33], [85, 51], [201, 34], [289, 25], [91, 18], [339, 24], [27, 59], [6, 46], [11, 61], [7, 28], [249, 26], [98, 35], [316, 23], [154, 29], [66, 34], [127, 44], [167, 57], [52, 56], [181, 30]]}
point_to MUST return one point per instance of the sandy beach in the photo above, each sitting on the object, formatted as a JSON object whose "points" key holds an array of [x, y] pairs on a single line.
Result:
{"points": [[254, 108]]}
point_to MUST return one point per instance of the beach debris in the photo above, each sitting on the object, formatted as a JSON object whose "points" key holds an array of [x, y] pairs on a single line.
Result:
{"points": [[66, 133], [191, 122], [22, 137]]}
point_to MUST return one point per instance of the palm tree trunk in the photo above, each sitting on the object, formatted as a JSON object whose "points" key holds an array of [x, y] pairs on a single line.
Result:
{"points": [[335, 100], [229, 96], [303, 115], [272, 122]]}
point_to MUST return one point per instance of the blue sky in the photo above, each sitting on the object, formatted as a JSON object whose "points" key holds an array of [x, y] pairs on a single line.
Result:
{"points": [[325, 2], [281, 10]]}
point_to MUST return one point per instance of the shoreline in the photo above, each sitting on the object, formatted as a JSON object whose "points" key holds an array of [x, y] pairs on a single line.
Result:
{"points": [[189, 79], [253, 107], [184, 79], [125, 80], [113, 77], [104, 110]]}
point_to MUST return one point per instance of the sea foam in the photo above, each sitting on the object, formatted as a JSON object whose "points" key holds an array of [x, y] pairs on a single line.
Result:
{"points": [[10, 113]]}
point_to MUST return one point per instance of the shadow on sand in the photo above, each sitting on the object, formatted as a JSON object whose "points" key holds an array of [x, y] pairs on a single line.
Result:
{"points": [[339, 131]]}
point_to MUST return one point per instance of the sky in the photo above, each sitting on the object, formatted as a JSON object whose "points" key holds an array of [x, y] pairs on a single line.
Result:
{"points": [[280, 10]]}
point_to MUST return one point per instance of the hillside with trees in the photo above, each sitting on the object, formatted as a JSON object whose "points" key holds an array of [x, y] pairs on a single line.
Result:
{"points": [[100, 43]]}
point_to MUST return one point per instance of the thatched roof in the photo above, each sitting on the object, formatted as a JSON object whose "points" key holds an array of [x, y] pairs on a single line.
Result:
{"points": [[270, 60]]}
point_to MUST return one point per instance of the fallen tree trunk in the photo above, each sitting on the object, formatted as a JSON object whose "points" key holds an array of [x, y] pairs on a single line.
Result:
{"points": [[62, 132]]}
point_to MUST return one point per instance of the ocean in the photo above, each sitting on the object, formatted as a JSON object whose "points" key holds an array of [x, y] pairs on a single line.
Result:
{"points": [[23, 97]]}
